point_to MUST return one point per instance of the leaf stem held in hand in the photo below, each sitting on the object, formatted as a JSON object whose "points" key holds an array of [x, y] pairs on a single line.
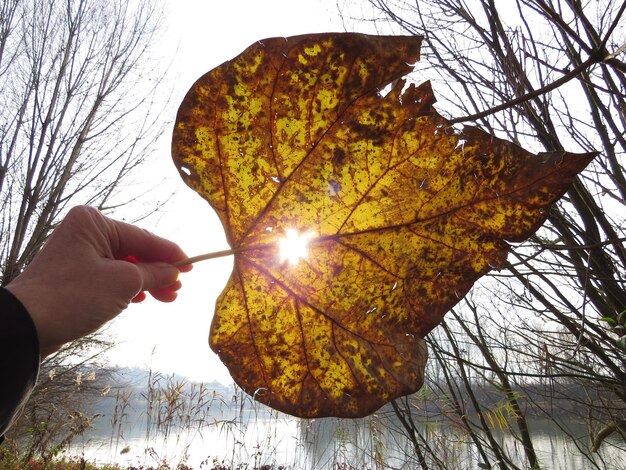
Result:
{"points": [[205, 256]]}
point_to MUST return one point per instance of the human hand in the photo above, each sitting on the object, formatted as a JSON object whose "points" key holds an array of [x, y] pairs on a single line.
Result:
{"points": [[77, 282]]}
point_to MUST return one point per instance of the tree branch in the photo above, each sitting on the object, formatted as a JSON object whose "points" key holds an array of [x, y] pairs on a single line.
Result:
{"points": [[593, 59]]}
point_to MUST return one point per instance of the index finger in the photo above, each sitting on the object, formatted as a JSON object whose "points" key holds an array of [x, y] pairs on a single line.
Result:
{"points": [[127, 240]]}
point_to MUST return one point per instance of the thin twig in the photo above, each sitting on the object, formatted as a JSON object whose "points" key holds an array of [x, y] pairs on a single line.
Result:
{"points": [[616, 53], [594, 59]]}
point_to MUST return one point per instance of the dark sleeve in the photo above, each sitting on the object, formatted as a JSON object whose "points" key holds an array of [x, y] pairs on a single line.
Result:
{"points": [[19, 357]]}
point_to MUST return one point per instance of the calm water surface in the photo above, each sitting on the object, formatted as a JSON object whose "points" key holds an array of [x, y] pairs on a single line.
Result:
{"points": [[259, 438]]}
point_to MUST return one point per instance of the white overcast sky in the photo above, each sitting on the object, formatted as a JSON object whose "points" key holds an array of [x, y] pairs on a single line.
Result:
{"points": [[201, 35]]}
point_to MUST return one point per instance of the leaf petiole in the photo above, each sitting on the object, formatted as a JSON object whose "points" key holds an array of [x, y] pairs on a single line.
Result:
{"points": [[205, 256]]}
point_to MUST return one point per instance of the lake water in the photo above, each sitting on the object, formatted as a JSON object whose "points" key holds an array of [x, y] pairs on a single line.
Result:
{"points": [[261, 437]]}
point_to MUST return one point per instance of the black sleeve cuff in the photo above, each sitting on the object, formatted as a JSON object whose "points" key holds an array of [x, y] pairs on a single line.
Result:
{"points": [[19, 357]]}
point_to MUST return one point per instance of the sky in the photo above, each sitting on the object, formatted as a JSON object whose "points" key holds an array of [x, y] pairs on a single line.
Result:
{"points": [[201, 34]]}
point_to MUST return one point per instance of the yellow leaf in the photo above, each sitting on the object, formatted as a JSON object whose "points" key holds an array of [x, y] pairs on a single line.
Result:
{"points": [[407, 213]]}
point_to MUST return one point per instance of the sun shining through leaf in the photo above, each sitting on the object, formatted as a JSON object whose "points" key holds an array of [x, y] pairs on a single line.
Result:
{"points": [[405, 218], [293, 246]]}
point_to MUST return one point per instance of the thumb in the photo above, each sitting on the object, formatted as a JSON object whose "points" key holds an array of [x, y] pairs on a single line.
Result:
{"points": [[156, 276]]}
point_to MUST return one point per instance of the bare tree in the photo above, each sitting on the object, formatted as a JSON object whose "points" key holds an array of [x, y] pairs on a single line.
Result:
{"points": [[78, 112], [81, 100], [549, 334]]}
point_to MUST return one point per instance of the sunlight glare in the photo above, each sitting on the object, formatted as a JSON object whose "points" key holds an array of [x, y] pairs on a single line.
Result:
{"points": [[294, 246]]}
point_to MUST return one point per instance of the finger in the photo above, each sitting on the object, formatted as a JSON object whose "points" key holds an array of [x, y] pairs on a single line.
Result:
{"points": [[167, 294], [139, 297], [186, 268], [164, 295], [156, 276], [130, 240]]}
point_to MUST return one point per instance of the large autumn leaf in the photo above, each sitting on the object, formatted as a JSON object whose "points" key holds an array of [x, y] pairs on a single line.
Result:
{"points": [[406, 212]]}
